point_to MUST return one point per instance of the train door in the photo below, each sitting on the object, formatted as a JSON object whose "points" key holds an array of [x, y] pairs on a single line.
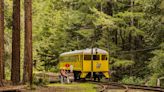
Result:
{"points": [[97, 64], [87, 63]]}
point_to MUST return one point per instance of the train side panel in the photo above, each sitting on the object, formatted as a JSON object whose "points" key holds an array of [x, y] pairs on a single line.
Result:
{"points": [[77, 64], [101, 65], [86, 66]]}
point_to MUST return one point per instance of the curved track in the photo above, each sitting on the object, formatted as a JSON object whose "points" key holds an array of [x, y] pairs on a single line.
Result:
{"points": [[104, 86], [126, 87]]}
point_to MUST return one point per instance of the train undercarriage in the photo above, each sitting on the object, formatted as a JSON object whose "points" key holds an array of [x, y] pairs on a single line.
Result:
{"points": [[97, 76]]}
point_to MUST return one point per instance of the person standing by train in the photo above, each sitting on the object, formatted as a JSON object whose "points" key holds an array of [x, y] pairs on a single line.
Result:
{"points": [[63, 75], [71, 74]]}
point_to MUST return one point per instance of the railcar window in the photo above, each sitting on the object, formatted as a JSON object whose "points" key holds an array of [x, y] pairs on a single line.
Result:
{"points": [[66, 58], [104, 57], [87, 57], [74, 58], [69, 58], [96, 57]]}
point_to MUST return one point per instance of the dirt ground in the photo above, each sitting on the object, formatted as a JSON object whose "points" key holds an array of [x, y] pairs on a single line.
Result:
{"points": [[74, 87]]}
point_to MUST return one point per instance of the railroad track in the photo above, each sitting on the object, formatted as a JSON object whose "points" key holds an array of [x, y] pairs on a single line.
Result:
{"points": [[104, 86], [114, 85]]}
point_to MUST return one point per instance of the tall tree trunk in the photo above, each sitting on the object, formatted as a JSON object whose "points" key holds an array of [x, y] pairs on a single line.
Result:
{"points": [[132, 19], [15, 70], [123, 40], [130, 39], [1, 41], [27, 76], [116, 39], [78, 45], [131, 24]]}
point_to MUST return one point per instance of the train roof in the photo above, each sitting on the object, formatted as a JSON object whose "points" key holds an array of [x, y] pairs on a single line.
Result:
{"points": [[85, 51]]}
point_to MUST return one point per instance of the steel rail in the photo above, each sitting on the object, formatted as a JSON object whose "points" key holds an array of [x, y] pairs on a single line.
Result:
{"points": [[105, 86]]}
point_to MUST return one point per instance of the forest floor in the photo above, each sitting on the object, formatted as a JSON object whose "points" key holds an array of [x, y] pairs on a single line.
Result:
{"points": [[76, 87], [73, 87]]}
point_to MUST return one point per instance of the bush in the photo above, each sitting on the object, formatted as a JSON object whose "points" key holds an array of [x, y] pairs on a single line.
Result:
{"points": [[132, 80], [153, 80], [40, 79], [54, 69]]}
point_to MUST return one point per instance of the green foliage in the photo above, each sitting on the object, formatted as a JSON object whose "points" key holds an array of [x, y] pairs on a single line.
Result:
{"points": [[132, 80], [153, 79], [123, 63], [40, 80], [156, 65], [157, 62], [65, 25], [128, 33]]}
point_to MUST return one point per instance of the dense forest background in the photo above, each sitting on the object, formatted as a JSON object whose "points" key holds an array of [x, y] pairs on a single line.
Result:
{"points": [[131, 31]]}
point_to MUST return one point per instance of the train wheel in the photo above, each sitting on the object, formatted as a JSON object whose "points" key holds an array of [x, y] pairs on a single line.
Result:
{"points": [[99, 78], [94, 78], [76, 75]]}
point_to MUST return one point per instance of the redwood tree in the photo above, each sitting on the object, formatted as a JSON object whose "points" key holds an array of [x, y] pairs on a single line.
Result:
{"points": [[27, 75], [1, 39], [15, 70]]}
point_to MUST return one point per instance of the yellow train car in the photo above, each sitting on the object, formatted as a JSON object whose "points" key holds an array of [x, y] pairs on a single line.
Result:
{"points": [[86, 63]]}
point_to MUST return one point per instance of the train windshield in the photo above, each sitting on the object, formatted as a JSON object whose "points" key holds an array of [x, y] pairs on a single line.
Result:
{"points": [[88, 57], [104, 57], [96, 57]]}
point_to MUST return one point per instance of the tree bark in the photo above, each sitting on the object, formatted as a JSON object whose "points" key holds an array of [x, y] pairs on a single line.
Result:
{"points": [[1, 40], [27, 76], [123, 40], [116, 40], [15, 70], [131, 24]]}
